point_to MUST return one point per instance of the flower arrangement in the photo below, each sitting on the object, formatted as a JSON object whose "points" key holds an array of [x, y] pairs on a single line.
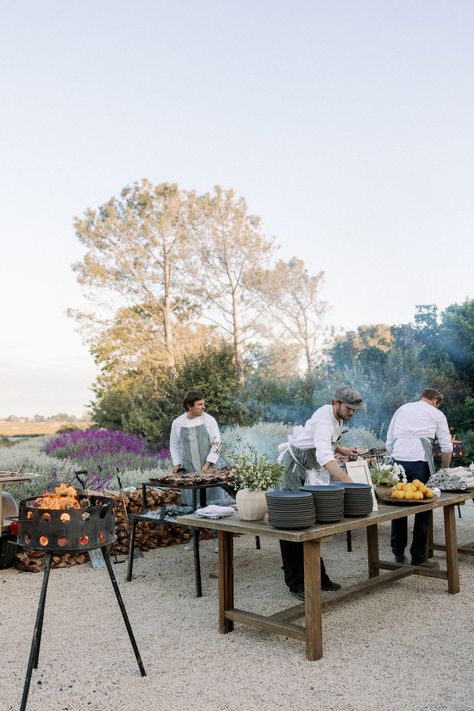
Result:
{"points": [[251, 470], [388, 475]]}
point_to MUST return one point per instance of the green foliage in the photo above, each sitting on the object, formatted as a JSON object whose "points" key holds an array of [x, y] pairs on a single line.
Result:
{"points": [[468, 438], [264, 436], [388, 475], [252, 470], [361, 437], [148, 409], [110, 408], [6, 442]]}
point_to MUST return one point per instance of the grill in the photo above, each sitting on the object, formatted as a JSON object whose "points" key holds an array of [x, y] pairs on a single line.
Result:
{"points": [[459, 449], [87, 525], [82, 529]]}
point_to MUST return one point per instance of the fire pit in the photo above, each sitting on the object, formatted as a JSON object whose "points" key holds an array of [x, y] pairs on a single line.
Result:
{"points": [[89, 526], [60, 522]]}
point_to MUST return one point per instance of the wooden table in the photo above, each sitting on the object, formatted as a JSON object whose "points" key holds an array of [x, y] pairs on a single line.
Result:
{"points": [[315, 600], [464, 548]]}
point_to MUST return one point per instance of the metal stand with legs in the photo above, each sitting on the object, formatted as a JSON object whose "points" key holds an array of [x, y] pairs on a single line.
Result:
{"points": [[36, 641]]}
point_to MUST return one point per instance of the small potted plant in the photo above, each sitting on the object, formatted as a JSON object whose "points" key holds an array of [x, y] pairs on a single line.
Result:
{"points": [[385, 477], [254, 474]]}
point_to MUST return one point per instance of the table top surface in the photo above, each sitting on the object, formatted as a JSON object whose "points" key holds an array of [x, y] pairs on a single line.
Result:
{"points": [[386, 512], [162, 485], [9, 477]]}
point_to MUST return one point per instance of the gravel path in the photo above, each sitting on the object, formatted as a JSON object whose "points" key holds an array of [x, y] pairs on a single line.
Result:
{"points": [[406, 646]]}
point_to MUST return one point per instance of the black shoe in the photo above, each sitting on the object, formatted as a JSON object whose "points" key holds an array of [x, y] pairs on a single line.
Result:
{"points": [[298, 593], [426, 564], [400, 558], [329, 586]]}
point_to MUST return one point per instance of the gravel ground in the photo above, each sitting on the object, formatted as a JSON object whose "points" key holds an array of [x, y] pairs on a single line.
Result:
{"points": [[406, 646]]}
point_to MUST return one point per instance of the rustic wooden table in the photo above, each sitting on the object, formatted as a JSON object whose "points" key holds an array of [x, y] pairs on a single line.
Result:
{"points": [[312, 632], [464, 548]]}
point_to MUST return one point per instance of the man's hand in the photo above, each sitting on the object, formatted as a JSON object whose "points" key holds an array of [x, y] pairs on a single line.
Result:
{"points": [[336, 472], [176, 468], [348, 451], [207, 466]]}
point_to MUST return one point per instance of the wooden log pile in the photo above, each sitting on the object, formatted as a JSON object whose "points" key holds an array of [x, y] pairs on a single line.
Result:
{"points": [[149, 535], [30, 561]]}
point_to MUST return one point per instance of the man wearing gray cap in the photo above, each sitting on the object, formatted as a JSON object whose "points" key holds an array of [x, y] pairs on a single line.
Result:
{"points": [[313, 446]]}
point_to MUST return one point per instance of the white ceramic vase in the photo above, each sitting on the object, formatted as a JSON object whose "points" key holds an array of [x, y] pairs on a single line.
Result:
{"points": [[251, 505]]}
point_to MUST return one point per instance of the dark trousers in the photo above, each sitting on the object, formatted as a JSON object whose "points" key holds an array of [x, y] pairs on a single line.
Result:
{"points": [[293, 565], [399, 537]]}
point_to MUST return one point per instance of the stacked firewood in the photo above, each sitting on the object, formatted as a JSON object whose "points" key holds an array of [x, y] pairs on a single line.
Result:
{"points": [[148, 534], [33, 561]]}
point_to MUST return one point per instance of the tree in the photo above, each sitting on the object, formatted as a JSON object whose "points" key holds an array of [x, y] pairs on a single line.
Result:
{"points": [[457, 338], [213, 370], [139, 246], [292, 300], [232, 249]]}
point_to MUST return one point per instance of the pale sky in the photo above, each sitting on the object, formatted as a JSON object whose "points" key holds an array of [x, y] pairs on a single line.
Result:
{"points": [[347, 126]]}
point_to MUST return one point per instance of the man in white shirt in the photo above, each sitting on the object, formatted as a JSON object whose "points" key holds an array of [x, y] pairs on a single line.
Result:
{"points": [[314, 447], [194, 436], [409, 439]]}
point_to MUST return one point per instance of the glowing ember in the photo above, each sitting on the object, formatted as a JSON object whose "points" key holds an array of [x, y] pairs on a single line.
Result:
{"points": [[65, 517], [43, 541], [83, 540]]}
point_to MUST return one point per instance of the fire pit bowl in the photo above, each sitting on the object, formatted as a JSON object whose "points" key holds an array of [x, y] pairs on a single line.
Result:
{"points": [[74, 529]]}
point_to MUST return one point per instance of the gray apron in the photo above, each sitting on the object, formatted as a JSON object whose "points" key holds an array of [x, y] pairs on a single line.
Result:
{"points": [[427, 445], [295, 471], [195, 446]]}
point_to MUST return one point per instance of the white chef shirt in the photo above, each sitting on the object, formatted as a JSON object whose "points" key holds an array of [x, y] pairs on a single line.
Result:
{"points": [[321, 431], [184, 421], [412, 421]]}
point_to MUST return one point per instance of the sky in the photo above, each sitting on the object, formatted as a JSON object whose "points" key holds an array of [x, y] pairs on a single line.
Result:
{"points": [[347, 127]]}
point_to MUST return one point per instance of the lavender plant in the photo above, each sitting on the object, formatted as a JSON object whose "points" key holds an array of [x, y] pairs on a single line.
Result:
{"points": [[104, 453]]}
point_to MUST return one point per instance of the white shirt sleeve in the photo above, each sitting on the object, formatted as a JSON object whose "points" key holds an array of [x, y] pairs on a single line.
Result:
{"points": [[322, 437], [390, 437], [214, 437], [175, 442], [443, 436]]}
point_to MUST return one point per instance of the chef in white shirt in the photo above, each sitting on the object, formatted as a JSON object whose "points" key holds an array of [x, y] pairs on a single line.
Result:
{"points": [[194, 442], [409, 440], [313, 446], [194, 436]]}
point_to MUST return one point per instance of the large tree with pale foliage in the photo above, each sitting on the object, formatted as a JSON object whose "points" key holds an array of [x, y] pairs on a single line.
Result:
{"points": [[232, 250], [294, 309], [138, 262]]}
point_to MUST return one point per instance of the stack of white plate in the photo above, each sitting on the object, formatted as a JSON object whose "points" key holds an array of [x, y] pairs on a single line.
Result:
{"points": [[328, 501], [358, 499], [290, 509]]}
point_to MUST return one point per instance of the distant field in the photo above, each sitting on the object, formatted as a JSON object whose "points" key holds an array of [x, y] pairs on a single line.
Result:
{"points": [[10, 429]]}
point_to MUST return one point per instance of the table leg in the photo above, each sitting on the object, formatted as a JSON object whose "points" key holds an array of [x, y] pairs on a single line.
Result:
{"points": [[451, 549], [373, 550], [312, 600], [197, 561], [226, 579], [429, 544], [131, 548]]}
